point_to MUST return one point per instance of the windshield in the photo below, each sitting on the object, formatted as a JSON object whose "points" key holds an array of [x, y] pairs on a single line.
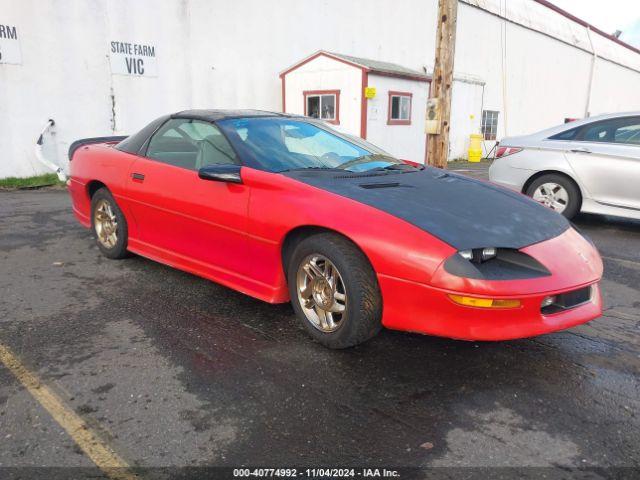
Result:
{"points": [[280, 144]]}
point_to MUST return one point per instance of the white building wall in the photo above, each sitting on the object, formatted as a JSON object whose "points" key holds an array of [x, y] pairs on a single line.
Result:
{"points": [[242, 45], [165, 25], [228, 53], [466, 116], [537, 83], [535, 16], [536, 80], [210, 54], [52, 81], [403, 141], [65, 74], [615, 89], [323, 73]]}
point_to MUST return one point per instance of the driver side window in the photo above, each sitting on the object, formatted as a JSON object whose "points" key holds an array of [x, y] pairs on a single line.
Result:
{"points": [[190, 144]]}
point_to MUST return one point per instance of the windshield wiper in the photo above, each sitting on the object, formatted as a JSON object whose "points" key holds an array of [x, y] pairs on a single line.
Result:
{"points": [[365, 159], [400, 167]]}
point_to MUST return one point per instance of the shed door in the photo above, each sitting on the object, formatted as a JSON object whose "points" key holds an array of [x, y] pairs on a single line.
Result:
{"points": [[466, 115]]}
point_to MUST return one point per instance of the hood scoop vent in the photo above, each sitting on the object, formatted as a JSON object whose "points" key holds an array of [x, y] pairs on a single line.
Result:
{"points": [[371, 186], [377, 173]]}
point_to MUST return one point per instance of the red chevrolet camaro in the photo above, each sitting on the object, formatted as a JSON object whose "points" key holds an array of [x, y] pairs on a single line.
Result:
{"points": [[284, 208]]}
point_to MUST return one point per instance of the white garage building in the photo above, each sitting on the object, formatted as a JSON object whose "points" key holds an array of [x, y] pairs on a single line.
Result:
{"points": [[109, 66]]}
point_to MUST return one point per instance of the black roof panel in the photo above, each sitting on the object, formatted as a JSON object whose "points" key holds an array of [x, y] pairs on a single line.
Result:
{"points": [[134, 144], [214, 115]]}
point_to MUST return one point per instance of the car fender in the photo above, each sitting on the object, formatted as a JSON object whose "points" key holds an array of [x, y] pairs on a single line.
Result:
{"points": [[278, 205], [584, 192], [539, 161]]}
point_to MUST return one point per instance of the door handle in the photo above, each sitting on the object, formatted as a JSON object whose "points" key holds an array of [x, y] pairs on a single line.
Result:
{"points": [[580, 150], [137, 176]]}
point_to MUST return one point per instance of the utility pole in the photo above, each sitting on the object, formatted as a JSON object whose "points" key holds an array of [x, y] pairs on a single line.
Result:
{"points": [[441, 84]]}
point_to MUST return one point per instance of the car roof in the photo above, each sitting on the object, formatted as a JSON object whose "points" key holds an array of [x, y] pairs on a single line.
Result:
{"points": [[543, 134], [596, 118], [133, 143], [212, 115]]}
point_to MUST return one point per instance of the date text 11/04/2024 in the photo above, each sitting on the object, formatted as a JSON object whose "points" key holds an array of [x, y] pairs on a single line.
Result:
{"points": [[316, 473]]}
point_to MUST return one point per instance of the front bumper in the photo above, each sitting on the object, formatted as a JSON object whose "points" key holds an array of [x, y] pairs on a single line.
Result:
{"points": [[573, 263], [428, 310]]}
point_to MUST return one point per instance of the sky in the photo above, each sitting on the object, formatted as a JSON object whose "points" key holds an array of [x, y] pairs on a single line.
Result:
{"points": [[609, 16]]}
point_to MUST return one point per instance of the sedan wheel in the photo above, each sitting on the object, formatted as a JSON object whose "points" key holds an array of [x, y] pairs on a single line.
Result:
{"points": [[321, 293], [553, 196], [556, 191]]}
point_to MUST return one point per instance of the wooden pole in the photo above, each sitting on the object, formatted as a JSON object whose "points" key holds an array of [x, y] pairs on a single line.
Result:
{"points": [[442, 82]]}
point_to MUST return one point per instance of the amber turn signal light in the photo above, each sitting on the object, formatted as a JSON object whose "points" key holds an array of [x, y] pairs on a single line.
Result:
{"points": [[485, 302]]}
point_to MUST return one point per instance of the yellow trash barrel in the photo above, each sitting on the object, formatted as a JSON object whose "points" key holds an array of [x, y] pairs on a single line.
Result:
{"points": [[475, 147]]}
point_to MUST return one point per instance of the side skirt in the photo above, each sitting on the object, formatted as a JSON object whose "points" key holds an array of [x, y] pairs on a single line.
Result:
{"points": [[224, 277], [591, 206]]}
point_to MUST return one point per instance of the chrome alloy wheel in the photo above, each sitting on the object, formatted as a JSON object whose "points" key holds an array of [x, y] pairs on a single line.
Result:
{"points": [[552, 195], [321, 293], [106, 224]]}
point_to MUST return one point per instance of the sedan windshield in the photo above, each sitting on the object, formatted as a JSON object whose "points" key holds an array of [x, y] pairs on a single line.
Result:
{"points": [[281, 144]]}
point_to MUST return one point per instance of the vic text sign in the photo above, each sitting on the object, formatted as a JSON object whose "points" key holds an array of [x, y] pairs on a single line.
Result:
{"points": [[133, 59]]}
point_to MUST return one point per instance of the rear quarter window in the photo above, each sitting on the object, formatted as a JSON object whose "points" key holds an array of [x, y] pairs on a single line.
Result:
{"points": [[134, 143], [566, 135]]}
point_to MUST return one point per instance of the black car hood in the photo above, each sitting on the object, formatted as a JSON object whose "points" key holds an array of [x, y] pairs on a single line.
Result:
{"points": [[463, 212]]}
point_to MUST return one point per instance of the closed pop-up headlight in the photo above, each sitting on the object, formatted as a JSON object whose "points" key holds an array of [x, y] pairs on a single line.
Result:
{"points": [[492, 263]]}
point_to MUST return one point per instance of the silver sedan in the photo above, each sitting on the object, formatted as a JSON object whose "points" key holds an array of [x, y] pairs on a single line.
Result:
{"points": [[591, 165]]}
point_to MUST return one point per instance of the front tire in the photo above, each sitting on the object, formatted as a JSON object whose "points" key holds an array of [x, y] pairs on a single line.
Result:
{"points": [[556, 192], [109, 225], [334, 291]]}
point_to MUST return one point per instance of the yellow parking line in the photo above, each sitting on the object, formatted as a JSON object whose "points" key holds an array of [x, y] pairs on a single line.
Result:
{"points": [[105, 459]]}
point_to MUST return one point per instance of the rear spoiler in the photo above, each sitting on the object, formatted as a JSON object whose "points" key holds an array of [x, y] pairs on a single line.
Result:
{"points": [[89, 141]]}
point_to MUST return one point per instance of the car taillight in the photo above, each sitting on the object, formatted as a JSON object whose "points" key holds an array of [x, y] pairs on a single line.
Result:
{"points": [[506, 151]]}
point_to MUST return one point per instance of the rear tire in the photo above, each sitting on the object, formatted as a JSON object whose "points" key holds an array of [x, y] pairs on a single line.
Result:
{"points": [[338, 313], [109, 225], [556, 192]]}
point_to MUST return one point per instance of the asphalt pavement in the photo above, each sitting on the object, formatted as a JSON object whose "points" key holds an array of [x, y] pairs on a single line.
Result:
{"points": [[170, 370]]}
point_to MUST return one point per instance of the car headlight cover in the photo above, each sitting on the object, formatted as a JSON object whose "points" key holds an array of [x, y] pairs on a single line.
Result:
{"points": [[491, 263]]}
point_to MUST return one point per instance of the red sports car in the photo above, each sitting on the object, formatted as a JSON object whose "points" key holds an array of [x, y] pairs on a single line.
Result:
{"points": [[284, 208]]}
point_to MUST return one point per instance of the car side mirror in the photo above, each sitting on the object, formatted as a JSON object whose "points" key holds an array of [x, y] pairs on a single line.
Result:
{"points": [[221, 173]]}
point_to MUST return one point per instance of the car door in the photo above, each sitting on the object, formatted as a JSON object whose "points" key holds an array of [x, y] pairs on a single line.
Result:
{"points": [[605, 156], [183, 219]]}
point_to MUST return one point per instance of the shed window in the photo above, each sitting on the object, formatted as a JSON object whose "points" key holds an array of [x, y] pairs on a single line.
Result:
{"points": [[399, 108], [489, 124], [323, 104]]}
